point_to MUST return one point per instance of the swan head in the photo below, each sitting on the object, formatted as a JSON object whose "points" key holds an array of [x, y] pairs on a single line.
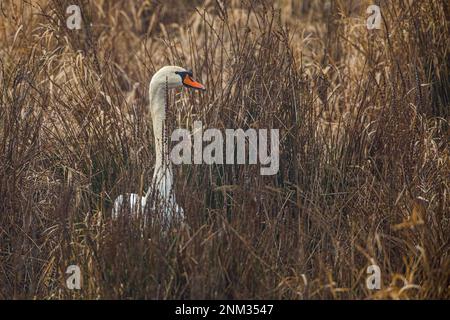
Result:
{"points": [[175, 77]]}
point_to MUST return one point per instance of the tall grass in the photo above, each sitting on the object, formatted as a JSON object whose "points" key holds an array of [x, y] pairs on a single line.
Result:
{"points": [[364, 157]]}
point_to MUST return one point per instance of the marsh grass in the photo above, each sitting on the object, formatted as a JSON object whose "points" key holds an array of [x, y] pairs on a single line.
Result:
{"points": [[364, 158]]}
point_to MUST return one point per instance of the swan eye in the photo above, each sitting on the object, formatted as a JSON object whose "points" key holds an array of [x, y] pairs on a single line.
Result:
{"points": [[183, 74]]}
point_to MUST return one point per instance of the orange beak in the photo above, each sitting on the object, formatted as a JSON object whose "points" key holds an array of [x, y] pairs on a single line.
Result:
{"points": [[191, 83]]}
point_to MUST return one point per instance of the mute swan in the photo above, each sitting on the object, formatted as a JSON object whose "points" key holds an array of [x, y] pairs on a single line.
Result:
{"points": [[168, 77]]}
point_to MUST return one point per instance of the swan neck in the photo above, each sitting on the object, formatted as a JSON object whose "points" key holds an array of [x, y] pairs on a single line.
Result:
{"points": [[162, 176]]}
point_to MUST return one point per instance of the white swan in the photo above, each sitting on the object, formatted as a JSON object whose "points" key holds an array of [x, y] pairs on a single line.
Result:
{"points": [[169, 77]]}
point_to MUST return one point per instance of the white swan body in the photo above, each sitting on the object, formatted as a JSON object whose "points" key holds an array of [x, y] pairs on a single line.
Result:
{"points": [[160, 194]]}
